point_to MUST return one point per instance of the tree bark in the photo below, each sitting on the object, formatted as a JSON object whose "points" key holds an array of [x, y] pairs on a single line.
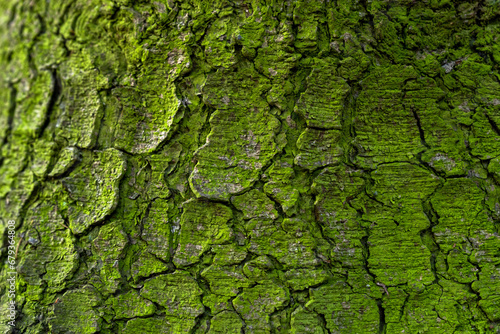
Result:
{"points": [[250, 167]]}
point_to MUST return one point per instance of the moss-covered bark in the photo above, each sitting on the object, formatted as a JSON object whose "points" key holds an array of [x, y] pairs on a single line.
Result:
{"points": [[304, 166]]}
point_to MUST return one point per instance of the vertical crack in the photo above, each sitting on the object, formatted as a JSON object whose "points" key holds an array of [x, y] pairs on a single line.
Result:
{"points": [[419, 126], [323, 322], [56, 93], [381, 311], [11, 113], [494, 126], [428, 238]]}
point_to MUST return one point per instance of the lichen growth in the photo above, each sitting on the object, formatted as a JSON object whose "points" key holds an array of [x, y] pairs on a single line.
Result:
{"points": [[251, 167]]}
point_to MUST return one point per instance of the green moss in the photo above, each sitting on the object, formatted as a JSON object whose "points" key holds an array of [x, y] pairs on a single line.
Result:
{"points": [[202, 224], [283, 186], [158, 325], [230, 164], [228, 254], [318, 148], [300, 279], [304, 321], [94, 188], [146, 264], [50, 254], [178, 293], [226, 322], [225, 281], [67, 158], [32, 105], [81, 108], [323, 102], [109, 245], [256, 303], [344, 310], [131, 305], [292, 244], [260, 167], [145, 118], [75, 313], [255, 204], [158, 231]]}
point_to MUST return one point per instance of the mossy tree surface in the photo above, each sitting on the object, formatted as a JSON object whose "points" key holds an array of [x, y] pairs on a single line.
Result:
{"points": [[304, 166]]}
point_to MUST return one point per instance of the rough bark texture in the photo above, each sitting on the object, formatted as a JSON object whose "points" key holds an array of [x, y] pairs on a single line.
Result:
{"points": [[251, 166]]}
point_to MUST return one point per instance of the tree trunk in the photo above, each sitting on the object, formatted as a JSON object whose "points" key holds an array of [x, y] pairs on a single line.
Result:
{"points": [[250, 167]]}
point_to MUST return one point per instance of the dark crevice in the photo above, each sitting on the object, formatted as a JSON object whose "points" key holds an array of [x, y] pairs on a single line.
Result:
{"points": [[11, 113], [323, 322], [382, 323], [419, 126], [205, 316], [56, 93], [494, 126]]}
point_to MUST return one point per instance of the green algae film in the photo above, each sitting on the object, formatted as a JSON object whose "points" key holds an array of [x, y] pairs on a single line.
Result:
{"points": [[251, 166]]}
